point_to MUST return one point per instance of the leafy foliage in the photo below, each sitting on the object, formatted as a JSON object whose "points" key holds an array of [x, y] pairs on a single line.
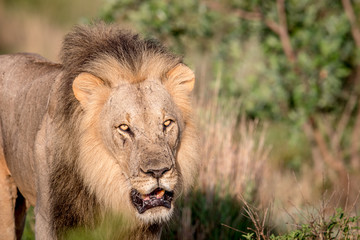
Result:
{"points": [[315, 82], [338, 226], [28, 233]]}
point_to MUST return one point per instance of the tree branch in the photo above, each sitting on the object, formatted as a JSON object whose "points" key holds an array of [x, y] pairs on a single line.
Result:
{"points": [[343, 123], [349, 10], [335, 164], [247, 15], [355, 30], [253, 16], [355, 143], [279, 28], [258, 16], [283, 33]]}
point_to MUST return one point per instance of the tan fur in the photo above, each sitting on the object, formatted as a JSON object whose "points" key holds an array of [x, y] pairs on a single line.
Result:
{"points": [[73, 161], [7, 198]]}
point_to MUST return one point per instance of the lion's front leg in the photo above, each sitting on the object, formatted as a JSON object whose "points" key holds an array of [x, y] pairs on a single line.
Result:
{"points": [[42, 226], [7, 201]]}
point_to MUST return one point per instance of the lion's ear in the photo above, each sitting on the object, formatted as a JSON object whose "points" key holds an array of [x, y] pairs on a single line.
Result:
{"points": [[182, 76], [85, 85]]}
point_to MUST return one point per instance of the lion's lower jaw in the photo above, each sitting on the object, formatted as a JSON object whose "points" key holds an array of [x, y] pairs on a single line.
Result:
{"points": [[157, 215]]}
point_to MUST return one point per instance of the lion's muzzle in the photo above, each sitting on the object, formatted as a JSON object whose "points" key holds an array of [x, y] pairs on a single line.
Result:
{"points": [[157, 198]]}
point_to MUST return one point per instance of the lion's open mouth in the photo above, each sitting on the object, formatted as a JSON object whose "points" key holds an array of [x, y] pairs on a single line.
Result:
{"points": [[158, 197]]}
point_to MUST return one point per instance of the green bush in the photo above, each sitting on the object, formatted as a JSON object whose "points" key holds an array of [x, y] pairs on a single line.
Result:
{"points": [[338, 226], [320, 37]]}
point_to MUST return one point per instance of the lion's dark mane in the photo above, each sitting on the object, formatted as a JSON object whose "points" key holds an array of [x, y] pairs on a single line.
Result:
{"points": [[71, 202]]}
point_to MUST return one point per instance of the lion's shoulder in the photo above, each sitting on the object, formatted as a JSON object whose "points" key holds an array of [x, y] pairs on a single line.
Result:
{"points": [[20, 63]]}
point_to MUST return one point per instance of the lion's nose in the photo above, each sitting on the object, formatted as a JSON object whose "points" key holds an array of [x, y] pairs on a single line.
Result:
{"points": [[157, 173]]}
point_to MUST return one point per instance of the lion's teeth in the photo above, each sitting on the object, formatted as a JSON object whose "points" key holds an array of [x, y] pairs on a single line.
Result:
{"points": [[160, 194]]}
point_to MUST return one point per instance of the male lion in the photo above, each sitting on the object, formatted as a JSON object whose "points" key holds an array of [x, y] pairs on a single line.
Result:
{"points": [[109, 130]]}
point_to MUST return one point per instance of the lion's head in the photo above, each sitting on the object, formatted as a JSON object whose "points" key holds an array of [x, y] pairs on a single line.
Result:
{"points": [[137, 149]]}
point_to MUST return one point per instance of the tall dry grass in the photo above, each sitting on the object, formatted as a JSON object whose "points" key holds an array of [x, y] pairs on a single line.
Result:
{"points": [[237, 160], [233, 152]]}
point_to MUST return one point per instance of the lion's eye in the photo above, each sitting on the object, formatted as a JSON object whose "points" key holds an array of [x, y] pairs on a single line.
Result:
{"points": [[167, 123], [124, 127]]}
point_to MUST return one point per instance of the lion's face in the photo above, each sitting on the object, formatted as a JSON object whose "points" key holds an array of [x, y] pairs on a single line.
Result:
{"points": [[142, 128], [133, 134]]}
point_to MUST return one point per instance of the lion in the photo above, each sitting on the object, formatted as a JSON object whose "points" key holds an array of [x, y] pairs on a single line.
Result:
{"points": [[109, 130]]}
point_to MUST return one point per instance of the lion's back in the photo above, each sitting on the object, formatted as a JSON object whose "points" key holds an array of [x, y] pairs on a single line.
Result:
{"points": [[25, 84], [17, 70]]}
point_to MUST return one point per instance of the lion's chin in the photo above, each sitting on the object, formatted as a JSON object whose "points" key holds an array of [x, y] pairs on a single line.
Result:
{"points": [[155, 215]]}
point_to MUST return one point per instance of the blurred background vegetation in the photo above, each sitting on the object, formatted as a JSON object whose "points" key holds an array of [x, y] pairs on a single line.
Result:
{"points": [[277, 98]]}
